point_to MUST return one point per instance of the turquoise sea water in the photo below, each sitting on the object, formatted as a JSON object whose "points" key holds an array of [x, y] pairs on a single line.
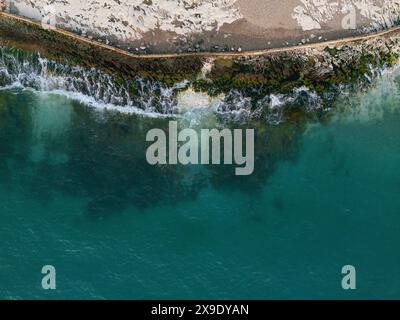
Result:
{"points": [[77, 193]]}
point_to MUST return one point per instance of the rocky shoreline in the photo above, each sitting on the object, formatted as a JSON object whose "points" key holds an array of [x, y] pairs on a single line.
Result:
{"points": [[322, 71]]}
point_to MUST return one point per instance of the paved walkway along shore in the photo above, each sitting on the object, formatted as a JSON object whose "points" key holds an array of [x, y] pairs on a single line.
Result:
{"points": [[336, 42]]}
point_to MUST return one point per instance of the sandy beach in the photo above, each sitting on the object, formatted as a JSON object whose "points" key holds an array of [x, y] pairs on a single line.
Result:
{"points": [[164, 26]]}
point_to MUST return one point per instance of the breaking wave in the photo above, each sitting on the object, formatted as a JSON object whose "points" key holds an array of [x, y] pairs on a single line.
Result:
{"points": [[239, 106], [30, 71], [374, 103], [92, 87]]}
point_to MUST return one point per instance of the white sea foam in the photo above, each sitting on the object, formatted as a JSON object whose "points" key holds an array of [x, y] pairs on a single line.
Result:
{"points": [[371, 105], [151, 98], [91, 87]]}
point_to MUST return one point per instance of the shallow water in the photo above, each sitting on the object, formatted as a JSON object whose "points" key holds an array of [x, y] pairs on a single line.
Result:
{"points": [[77, 193]]}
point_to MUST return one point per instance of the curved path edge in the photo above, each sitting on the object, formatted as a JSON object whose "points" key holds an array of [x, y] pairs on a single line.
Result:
{"points": [[206, 54]]}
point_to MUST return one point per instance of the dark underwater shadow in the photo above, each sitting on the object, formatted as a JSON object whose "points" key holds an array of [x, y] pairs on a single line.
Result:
{"points": [[103, 160]]}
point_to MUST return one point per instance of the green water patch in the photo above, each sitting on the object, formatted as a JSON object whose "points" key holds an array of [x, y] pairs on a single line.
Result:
{"points": [[102, 156], [51, 144], [75, 192]]}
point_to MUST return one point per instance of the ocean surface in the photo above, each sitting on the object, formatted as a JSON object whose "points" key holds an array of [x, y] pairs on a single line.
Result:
{"points": [[77, 193]]}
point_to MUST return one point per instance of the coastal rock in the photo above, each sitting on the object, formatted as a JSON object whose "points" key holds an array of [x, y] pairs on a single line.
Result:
{"points": [[302, 79]]}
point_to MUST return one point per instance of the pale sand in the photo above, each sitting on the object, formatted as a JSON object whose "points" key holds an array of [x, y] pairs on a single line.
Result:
{"points": [[208, 55], [204, 25]]}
